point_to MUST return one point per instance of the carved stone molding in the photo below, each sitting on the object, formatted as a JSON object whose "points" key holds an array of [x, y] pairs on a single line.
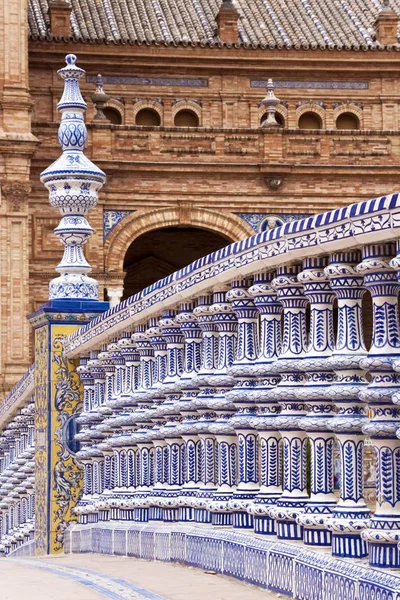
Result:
{"points": [[16, 193]]}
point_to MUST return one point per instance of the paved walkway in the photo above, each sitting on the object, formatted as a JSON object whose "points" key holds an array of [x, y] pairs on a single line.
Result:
{"points": [[97, 577]]}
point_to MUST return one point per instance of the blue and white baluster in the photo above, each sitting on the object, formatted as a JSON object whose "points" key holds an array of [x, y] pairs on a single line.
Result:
{"points": [[188, 427], [105, 447], [350, 516], [243, 397], [293, 408], [266, 301], [156, 394], [226, 324], [113, 417], [206, 460], [114, 351], [122, 424], [85, 506], [170, 410], [380, 278], [119, 498], [97, 434], [315, 393], [141, 415]]}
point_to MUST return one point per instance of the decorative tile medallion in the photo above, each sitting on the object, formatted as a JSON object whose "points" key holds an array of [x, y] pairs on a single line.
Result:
{"points": [[111, 218], [265, 221]]}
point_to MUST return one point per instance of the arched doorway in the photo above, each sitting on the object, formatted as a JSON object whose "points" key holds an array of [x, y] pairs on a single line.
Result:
{"points": [[158, 253]]}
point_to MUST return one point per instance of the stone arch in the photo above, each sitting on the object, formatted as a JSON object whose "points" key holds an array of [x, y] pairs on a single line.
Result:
{"points": [[152, 104], [280, 109], [351, 109], [139, 222], [118, 106], [187, 105], [311, 107]]}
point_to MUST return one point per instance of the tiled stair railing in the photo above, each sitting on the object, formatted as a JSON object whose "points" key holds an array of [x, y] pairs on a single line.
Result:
{"points": [[17, 466], [207, 394]]}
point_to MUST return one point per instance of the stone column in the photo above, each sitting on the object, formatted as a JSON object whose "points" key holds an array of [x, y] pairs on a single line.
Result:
{"points": [[293, 408], [266, 301], [350, 516], [315, 393], [380, 278]]}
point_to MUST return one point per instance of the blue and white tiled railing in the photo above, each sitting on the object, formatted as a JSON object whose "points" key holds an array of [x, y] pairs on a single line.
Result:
{"points": [[17, 466], [218, 395]]}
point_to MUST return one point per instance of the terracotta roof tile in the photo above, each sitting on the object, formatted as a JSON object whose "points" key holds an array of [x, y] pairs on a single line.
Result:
{"points": [[346, 24]]}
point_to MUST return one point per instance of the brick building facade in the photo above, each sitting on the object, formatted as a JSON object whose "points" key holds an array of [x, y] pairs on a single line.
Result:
{"points": [[182, 145]]}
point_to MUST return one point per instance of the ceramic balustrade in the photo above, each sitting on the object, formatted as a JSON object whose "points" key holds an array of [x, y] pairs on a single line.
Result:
{"points": [[206, 382], [87, 436], [350, 516], [315, 393], [169, 409], [289, 394], [187, 429], [383, 395], [17, 491], [265, 421], [241, 423], [244, 399], [226, 451], [141, 418], [159, 345]]}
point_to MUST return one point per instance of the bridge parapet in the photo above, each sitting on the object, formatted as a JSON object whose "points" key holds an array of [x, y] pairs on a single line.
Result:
{"points": [[219, 395]]}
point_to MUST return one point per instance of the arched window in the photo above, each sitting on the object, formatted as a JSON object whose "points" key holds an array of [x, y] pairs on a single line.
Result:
{"points": [[310, 120], [278, 117], [186, 118], [113, 115], [148, 117], [347, 121]]}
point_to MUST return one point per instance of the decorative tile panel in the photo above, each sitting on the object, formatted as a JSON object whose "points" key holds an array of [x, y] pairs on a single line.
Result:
{"points": [[111, 218], [157, 81], [312, 85]]}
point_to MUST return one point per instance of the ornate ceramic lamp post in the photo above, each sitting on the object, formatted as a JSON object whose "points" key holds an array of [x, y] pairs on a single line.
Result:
{"points": [[73, 182]]}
